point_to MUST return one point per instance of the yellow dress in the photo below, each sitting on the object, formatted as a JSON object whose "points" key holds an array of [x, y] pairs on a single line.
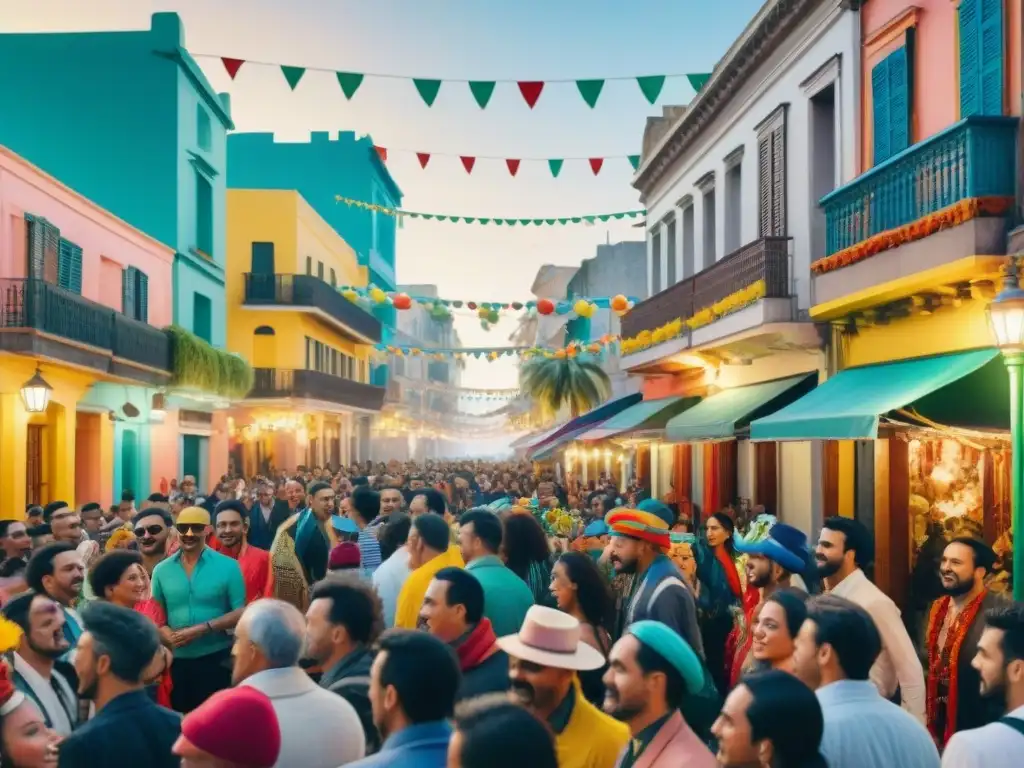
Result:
{"points": [[410, 599], [592, 739]]}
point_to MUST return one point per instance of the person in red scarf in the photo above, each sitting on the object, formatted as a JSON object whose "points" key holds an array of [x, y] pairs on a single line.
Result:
{"points": [[955, 624], [453, 610]]}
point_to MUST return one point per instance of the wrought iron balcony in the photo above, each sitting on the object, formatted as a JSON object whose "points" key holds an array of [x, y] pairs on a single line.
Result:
{"points": [[64, 325], [306, 292], [974, 158], [273, 383], [764, 259]]}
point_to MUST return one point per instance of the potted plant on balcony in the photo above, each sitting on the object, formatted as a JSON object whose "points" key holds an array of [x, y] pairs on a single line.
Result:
{"points": [[554, 382], [199, 367]]}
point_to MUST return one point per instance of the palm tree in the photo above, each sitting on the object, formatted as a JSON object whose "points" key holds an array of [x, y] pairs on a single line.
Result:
{"points": [[557, 381]]}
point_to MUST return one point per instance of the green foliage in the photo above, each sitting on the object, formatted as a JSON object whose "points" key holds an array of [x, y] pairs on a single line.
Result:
{"points": [[197, 365], [555, 382]]}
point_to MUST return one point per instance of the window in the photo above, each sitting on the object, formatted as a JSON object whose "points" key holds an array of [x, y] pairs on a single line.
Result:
{"points": [[69, 266], [670, 242], [204, 215], [203, 133], [688, 244], [334, 279], [982, 42], [733, 200], [890, 96], [202, 317], [135, 294], [43, 249], [655, 263], [309, 265], [320, 270], [771, 174], [262, 260]]}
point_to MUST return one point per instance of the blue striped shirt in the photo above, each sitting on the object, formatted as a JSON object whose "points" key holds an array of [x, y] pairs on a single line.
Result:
{"points": [[369, 550]]}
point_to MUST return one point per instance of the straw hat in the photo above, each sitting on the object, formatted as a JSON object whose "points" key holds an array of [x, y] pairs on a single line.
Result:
{"points": [[552, 639]]}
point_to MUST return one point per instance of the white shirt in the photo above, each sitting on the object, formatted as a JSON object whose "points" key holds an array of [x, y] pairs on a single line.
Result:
{"points": [[44, 694], [898, 663], [388, 580], [992, 746]]}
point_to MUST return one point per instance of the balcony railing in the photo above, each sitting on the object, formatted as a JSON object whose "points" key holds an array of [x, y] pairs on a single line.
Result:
{"points": [[975, 157], [306, 291], [283, 382], [37, 305], [764, 259]]}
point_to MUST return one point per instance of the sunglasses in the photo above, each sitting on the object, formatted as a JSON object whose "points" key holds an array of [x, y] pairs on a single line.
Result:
{"points": [[152, 530], [185, 528]]}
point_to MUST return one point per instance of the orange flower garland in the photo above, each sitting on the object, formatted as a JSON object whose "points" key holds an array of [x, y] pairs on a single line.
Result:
{"points": [[951, 216]]}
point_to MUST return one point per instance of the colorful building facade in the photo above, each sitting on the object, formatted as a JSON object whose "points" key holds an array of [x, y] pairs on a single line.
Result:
{"points": [[148, 143], [310, 347], [79, 311]]}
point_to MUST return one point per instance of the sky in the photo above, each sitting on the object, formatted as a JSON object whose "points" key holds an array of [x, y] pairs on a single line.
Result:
{"points": [[462, 40]]}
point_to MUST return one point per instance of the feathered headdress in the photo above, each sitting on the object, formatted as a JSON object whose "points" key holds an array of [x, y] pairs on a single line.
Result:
{"points": [[10, 697]]}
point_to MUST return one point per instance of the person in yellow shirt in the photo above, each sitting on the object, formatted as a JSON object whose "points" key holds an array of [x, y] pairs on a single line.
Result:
{"points": [[544, 658], [430, 550]]}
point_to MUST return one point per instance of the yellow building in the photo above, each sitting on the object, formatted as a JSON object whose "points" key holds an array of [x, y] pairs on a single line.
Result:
{"points": [[310, 347]]}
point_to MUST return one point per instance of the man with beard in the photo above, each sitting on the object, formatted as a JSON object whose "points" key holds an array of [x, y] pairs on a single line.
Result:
{"points": [[128, 729], [42, 644], [302, 546], [544, 658], [152, 528], [57, 571], [202, 594], [1000, 664], [650, 672], [845, 547], [265, 517], [639, 542], [231, 523], [955, 625], [15, 541]]}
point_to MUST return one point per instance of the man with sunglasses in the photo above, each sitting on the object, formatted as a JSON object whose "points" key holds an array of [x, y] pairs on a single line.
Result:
{"points": [[152, 527], [202, 593]]}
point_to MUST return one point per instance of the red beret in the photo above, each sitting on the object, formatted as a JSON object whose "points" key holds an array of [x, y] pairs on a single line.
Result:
{"points": [[238, 725], [344, 555]]}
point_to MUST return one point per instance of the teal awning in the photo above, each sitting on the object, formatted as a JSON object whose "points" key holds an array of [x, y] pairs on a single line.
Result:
{"points": [[848, 406], [719, 416], [644, 416]]}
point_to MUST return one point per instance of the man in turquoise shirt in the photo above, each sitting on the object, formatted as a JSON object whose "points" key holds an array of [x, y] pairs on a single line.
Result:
{"points": [[202, 593], [507, 598]]}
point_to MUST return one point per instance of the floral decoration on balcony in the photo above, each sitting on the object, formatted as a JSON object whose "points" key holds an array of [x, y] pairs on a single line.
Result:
{"points": [[951, 216], [196, 365], [672, 330]]}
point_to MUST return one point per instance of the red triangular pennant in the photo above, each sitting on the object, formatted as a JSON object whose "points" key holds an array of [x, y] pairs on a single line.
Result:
{"points": [[531, 90], [468, 163], [424, 158], [382, 152], [513, 166], [595, 164], [232, 66]]}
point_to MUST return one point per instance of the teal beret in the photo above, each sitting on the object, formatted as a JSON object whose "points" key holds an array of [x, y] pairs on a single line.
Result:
{"points": [[658, 508], [676, 651]]}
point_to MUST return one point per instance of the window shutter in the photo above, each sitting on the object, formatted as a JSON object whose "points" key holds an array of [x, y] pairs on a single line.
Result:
{"points": [[764, 184], [779, 181], [128, 291], [899, 100], [992, 41], [969, 21], [34, 248], [880, 123], [76, 269], [64, 265], [142, 297]]}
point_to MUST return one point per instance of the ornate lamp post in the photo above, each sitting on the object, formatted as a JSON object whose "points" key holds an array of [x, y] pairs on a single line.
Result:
{"points": [[35, 393], [1006, 318]]}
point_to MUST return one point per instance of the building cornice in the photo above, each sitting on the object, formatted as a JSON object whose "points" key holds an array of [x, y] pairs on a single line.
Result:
{"points": [[759, 41]]}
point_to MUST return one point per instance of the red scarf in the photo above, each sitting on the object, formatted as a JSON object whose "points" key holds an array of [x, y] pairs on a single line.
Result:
{"points": [[729, 566], [947, 659], [478, 647]]}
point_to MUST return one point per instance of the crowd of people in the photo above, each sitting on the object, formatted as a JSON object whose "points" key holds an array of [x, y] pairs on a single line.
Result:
{"points": [[476, 615]]}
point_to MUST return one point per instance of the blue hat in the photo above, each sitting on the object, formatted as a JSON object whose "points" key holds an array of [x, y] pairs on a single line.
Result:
{"points": [[658, 508], [676, 651], [597, 528], [784, 545], [343, 524]]}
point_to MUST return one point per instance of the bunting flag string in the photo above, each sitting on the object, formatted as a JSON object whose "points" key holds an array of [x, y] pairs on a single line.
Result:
{"points": [[512, 164], [464, 393], [582, 306], [589, 89], [573, 349], [589, 219]]}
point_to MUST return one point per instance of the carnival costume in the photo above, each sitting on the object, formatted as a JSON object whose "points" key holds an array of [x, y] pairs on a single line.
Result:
{"points": [[299, 557]]}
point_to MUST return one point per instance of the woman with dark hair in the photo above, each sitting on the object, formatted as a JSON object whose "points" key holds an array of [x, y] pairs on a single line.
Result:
{"points": [[25, 739], [527, 553], [775, 629], [580, 589]]}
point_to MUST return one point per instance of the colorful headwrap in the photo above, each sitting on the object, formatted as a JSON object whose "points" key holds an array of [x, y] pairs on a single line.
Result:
{"points": [[10, 697], [120, 538], [557, 522], [637, 524]]}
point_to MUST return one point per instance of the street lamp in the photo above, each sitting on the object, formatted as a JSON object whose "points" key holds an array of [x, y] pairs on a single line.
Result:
{"points": [[35, 393], [1006, 318]]}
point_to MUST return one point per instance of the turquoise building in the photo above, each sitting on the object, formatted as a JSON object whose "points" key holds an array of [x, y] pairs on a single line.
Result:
{"points": [[127, 119]]}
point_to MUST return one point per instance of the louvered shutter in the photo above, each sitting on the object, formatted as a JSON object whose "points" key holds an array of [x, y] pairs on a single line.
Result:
{"points": [[764, 184], [35, 268], [880, 123], [128, 291], [142, 297], [899, 100], [969, 21], [75, 277], [64, 265], [992, 42], [779, 181]]}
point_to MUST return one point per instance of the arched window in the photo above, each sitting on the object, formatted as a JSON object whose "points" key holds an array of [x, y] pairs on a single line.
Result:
{"points": [[264, 330]]}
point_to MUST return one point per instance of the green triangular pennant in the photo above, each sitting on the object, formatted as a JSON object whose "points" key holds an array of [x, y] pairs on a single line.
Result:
{"points": [[563, 220], [453, 219], [413, 215], [428, 89], [511, 222], [524, 222], [349, 82], [651, 86], [697, 81], [468, 219], [550, 222], [555, 164], [589, 219], [292, 75], [575, 219], [618, 215], [427, 215], [441, 218], [538, 222], [499, 222], [484, 221], [634, 160], [590, 90], [482, 91], [604, 217]]}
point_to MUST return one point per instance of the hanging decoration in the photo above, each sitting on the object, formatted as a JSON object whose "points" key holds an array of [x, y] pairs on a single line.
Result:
{"points": [[592, 218], [465, 393], [512, 164], [589, 89], [573, 349]]}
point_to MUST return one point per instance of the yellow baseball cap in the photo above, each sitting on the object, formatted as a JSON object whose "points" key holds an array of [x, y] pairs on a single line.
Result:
{"points": [[193, 516]]}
